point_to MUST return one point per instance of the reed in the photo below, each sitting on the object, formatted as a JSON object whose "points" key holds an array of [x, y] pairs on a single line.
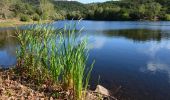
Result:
{"points": [[61, 55]]}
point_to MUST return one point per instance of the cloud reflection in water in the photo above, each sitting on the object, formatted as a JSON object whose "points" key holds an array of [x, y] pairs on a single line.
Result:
{"points": [[156, 52]]}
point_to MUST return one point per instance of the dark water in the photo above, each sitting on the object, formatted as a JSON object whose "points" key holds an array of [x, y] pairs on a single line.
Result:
{"points": [[131, 56], [7, 48]]}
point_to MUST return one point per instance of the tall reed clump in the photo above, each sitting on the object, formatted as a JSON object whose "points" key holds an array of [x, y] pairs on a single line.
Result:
{"points": [[59, 55]]}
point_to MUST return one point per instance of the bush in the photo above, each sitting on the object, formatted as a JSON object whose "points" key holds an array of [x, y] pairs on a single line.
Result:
{"points": [[57, 16], [24, 18], [125, 16], [45, 16], [38, 11], [167, 17], [36, 17]]}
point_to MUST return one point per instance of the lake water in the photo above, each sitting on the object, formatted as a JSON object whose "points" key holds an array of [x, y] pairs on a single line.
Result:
{"points": [[132, 58]]}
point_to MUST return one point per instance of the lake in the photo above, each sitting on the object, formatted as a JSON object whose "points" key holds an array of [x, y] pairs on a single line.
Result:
{"points": [[132, 58]]}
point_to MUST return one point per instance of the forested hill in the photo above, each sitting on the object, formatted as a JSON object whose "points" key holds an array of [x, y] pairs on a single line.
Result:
{"points": [[131, 10], [117, 10], [71, 5], [27, 10], [111, 10]]}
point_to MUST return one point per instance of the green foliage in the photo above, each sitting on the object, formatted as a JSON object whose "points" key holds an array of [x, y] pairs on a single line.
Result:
{"points": [[44, 16], [5, 6], [15, 8], [114, 10], [35, 17], [110, 10], [70, 6], [125, 16], [167, 17], [142, 10], [22, 8], [153, 10], [74, 15], [25, 18], [38, 11], [47, 9], [57, 16]]}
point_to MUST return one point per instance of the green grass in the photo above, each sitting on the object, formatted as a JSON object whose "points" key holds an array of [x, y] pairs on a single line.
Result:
{"points": [[6, 24], [57, 55]]}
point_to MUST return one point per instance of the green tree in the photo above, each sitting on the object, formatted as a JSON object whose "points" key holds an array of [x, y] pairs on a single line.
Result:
{"points": [[47, 9], [142, 11], [167, 17], [74, 15], [153, 10], [25, 18], [124, 14], [35, 17], [98, 13], [5, 8]]}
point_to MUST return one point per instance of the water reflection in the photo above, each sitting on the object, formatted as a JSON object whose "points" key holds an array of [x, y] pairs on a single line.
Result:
{"points": [[159, 53], [136, 59], [139, 34], [7, 48], [155, 66]]}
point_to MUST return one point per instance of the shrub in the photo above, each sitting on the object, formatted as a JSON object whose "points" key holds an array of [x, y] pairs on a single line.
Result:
{"points": [[36, 17], [56, 16], [125, 16], [24, 18], [45, 16], [167, 17]]}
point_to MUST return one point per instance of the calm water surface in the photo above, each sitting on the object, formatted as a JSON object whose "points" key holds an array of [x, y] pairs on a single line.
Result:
{"points": [[132, 58]]}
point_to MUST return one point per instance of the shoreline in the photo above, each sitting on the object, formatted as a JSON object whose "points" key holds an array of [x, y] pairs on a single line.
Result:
{"points": [[13, 86], [14, 22]]}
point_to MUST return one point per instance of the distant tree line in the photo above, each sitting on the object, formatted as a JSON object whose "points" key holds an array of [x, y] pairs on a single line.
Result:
{"points": [[117, 10], [35, 10]]}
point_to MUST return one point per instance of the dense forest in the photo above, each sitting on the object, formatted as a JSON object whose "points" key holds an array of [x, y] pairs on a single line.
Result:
{"points": [[26, 10]]}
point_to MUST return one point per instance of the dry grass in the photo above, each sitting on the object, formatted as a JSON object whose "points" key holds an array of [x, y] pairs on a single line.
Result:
{"points": [[16, 22], [13, 89]]}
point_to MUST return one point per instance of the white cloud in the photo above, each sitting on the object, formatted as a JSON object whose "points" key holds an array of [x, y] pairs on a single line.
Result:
{"points": [[96, 42]]}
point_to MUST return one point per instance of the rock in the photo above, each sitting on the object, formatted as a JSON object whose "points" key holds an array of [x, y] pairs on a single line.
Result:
{"points": [[51, 98], [90, 96], [100, 89]]}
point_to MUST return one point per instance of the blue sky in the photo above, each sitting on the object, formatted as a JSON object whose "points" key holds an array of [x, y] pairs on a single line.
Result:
{"points": [[90, 1]]}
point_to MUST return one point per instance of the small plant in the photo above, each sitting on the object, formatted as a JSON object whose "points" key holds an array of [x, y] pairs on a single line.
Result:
{"points": [[167, 17], [25, 18], [44, 16], [36, 17]]}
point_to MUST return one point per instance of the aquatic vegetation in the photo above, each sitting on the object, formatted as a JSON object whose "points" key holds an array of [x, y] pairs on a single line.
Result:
{"points": [[55, 55]]}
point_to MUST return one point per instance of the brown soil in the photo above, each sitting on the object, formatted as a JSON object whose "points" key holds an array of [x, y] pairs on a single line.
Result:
{"points": [[14, 87], [11, 88]]}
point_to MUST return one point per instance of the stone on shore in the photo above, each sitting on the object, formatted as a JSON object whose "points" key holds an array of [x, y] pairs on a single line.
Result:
{"points": [[102, 90]]}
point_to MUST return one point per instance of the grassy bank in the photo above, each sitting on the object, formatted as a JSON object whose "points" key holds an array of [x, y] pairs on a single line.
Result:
{"points": [[16, 22]]}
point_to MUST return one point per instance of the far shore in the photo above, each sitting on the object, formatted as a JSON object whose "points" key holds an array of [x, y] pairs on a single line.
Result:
{"points": [[4, 23]]}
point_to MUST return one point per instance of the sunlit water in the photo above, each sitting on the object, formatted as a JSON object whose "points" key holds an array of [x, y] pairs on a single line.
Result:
{"points": [[132, 58]]}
